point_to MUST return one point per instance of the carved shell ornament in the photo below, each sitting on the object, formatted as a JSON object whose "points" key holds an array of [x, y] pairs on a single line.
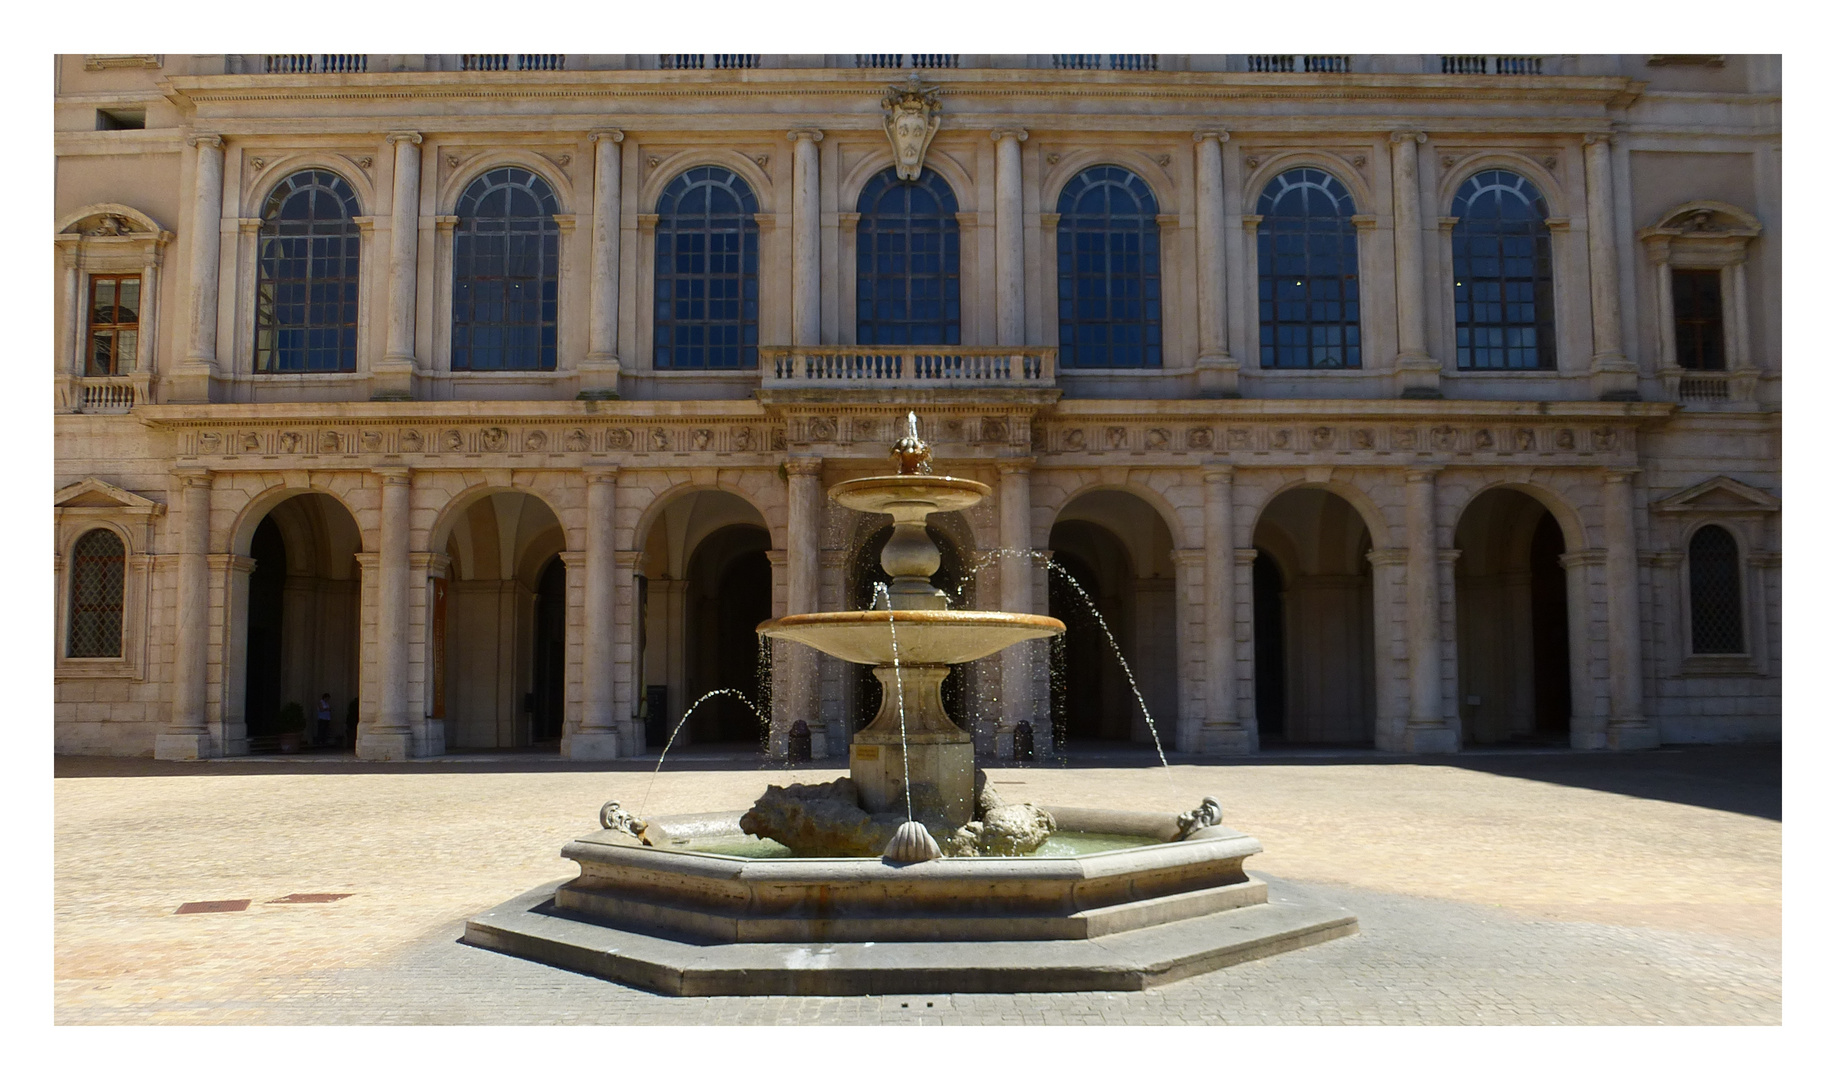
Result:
{"points": [[912, 116]]}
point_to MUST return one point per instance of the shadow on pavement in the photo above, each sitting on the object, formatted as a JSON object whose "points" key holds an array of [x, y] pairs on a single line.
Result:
{"points": [[1735, 779]]}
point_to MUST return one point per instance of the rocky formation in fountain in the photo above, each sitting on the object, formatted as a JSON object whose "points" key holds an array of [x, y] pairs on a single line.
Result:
{"points": [[826, 820]]}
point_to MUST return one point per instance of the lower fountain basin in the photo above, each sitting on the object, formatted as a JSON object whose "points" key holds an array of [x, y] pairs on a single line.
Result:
{"points": [[924, 637]]}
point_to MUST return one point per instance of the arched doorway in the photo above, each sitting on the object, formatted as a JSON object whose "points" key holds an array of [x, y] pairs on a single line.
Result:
{"points": [[1119, 550], [1511, 615], [301, 628], [1315, 642], [506, 618], [704, 584], [865, 574]]}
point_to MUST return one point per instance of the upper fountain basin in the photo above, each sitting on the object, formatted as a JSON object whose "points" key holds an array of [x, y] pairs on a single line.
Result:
{"points": [[924, 637], [909, 498]]}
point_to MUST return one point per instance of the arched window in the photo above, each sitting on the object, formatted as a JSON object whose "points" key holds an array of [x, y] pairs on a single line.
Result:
{"points": [[1504, 289], [98, 565], [306, 276], [1307, 261], [1108, 271], [906, 263], [506, 277], [707, 286], [1714, 592]]}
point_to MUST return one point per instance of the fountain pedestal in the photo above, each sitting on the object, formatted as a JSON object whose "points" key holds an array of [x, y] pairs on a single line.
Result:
{"points": [[934, 756]]}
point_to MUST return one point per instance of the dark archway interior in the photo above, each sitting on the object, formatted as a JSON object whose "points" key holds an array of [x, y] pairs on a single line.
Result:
{"points": [[729, 594], [864, 574], [548, 674], [1090, 700], [1271, 648], [1511, 606], [267, 585]]}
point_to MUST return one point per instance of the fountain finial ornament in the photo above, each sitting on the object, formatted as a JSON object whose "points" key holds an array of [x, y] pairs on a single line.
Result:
{"points": [[914, 453]]}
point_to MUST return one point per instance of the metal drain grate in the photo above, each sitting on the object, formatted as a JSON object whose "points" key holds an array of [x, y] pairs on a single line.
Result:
{"points": [[310, 898], [200, 907]]}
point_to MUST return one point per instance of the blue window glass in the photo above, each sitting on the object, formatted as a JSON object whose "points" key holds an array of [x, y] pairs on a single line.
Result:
{"points": [[1108, 271], [707, 283], [307, 253], [1307, 272], [506, 274], [906, 263], [1504, 288]]}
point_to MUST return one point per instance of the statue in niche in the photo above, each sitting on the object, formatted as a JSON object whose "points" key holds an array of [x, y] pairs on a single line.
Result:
{"points": [[912, 116]]}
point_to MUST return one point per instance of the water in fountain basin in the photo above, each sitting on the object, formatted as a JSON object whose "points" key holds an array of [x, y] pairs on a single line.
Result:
{"points": [[763, 718], [1054, 565]]}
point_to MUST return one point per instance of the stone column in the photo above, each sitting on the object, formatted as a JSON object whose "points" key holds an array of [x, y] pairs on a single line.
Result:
{"points": [[387, 737], [1217, 369], [1418, 373], [1427, 731], [1627, 728], [191, 380], [393, 378], [806, 238], [599, 372], [596, 738], [1010, 239], [799, 697], [187, 734], [1615, 377], [1223, 733], [1016, 534]]}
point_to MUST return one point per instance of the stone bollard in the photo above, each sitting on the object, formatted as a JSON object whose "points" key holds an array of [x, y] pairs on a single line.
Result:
{"points": [[800, 741], [1023, 741]]}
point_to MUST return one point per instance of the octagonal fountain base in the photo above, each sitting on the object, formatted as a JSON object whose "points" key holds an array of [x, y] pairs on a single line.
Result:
{"points": [[696, 923]]}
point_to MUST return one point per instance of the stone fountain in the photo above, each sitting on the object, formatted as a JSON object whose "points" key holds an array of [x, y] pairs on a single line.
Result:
{"points": [[969, 894]]}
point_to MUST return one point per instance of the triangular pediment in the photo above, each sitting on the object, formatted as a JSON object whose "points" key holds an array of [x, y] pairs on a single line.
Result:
{"points": [[1719, 493], [91, 493]]}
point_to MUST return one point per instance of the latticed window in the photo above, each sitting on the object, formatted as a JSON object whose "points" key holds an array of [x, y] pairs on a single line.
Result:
{"points": [[707, 286], [1307, 264], [114, 324], [1108, 271], [1714, 592], [907, 263], [98, 567], [306, 276], [506, 274], [1504, 289], [1696, 304]]}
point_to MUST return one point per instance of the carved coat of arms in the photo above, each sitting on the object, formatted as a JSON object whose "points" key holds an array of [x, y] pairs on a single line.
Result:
{"points": [[912, 116]]}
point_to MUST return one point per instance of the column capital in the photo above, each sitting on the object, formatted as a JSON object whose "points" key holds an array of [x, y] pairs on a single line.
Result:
{"points": [[613, 134], [1218, 135], [1603, 138], [393, 474], [215, 142], [189, 476], [799, 134], [1005, 466], [1619, 475], [1217, 472], [1399, 137], [411, 137], [1584, 557], [803, 466], [1245, 556], [601, 474], [1188, 557], [1421, 474], [1387, 556], [1018, 134]]}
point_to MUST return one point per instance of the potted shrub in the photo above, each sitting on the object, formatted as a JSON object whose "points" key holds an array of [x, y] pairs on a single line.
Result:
{"points": [[291, 727]]}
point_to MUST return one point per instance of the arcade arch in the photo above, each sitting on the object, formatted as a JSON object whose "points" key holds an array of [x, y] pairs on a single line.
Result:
{"points": [[1511, 617]]}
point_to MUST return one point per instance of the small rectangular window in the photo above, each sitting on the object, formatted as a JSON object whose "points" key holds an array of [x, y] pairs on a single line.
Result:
{"points": [[114, 325], [1696, 299], [121, 119]]}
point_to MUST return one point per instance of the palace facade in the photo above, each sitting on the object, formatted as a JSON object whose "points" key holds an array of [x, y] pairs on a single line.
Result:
{"points": [[1416, 402]]}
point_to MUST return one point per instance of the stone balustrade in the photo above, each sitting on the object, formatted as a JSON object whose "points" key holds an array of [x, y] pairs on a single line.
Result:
{"points": [[909, 365]]}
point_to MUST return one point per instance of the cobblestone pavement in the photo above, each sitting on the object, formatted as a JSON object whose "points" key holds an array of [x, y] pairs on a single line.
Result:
{"points": [[1509, 888]]}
